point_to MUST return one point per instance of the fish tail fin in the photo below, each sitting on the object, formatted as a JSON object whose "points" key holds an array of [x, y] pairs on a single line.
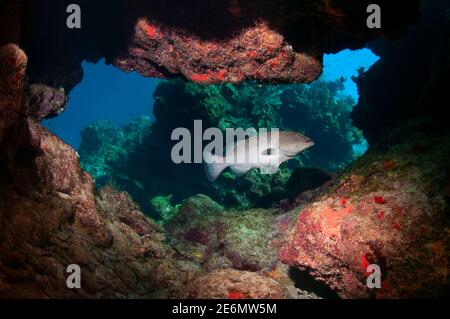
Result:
{"points": [[214, 166]]}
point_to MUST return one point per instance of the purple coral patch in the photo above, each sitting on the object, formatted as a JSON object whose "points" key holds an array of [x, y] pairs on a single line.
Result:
{"points": [[197, 235]]}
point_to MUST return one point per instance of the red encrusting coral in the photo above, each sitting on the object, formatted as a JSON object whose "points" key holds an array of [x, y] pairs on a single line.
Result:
{"points": [[150, 30], [379, 200], [365, 264], [237, 295], [209, 77], [343, 202]]}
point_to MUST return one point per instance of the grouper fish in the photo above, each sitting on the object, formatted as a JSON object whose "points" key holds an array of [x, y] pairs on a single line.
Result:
{"points": [[265, 151]]}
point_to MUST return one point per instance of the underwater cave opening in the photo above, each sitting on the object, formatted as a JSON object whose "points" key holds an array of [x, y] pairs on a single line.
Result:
{"points": [[110, 120], [104, 94], [347, 63]]}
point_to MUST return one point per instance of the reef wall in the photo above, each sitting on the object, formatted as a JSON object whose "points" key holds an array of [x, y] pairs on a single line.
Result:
{"points": [[50, 216]]}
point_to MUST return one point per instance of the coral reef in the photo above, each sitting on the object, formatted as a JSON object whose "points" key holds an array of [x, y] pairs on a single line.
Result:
{"points": [[204, 230], [388, 208], [107, 152], [391, 209], [322, 112], [232, 246], [162, 205], [51, 217], [46, 102], [104, 148]]}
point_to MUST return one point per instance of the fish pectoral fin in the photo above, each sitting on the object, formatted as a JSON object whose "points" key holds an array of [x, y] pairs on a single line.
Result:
{"points": [[269, 169], [214, 166], [240, 170]]}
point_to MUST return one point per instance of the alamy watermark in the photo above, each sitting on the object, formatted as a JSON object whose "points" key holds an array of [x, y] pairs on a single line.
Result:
{"points": [[374, 19], [73, 281], [374, 276], [238, 148], [74, 18]]}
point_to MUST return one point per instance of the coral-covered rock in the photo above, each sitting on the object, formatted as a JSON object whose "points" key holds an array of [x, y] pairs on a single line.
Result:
{"points": [[119, 206], [46, 102], [13, 63], [390, 209], [203, 231], [233, 284], [256, 52], [163, 206], [119, 250], [195, 228], [51, 217], [58, 170]]}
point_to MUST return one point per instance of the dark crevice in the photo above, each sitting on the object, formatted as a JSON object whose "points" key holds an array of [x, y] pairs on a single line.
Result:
{"points": [[306, 282]]}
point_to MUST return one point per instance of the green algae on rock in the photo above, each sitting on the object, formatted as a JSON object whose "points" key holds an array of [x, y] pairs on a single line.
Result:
{"points": [[163, 206]]}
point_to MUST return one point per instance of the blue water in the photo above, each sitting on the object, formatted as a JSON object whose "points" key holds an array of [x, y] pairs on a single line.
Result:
{"points": [[109, 94], [105, 93], [346, 63]]}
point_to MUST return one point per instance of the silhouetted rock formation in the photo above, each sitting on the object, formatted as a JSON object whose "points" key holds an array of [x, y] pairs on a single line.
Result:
{"points": [[411, 77], [206, 41]]}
